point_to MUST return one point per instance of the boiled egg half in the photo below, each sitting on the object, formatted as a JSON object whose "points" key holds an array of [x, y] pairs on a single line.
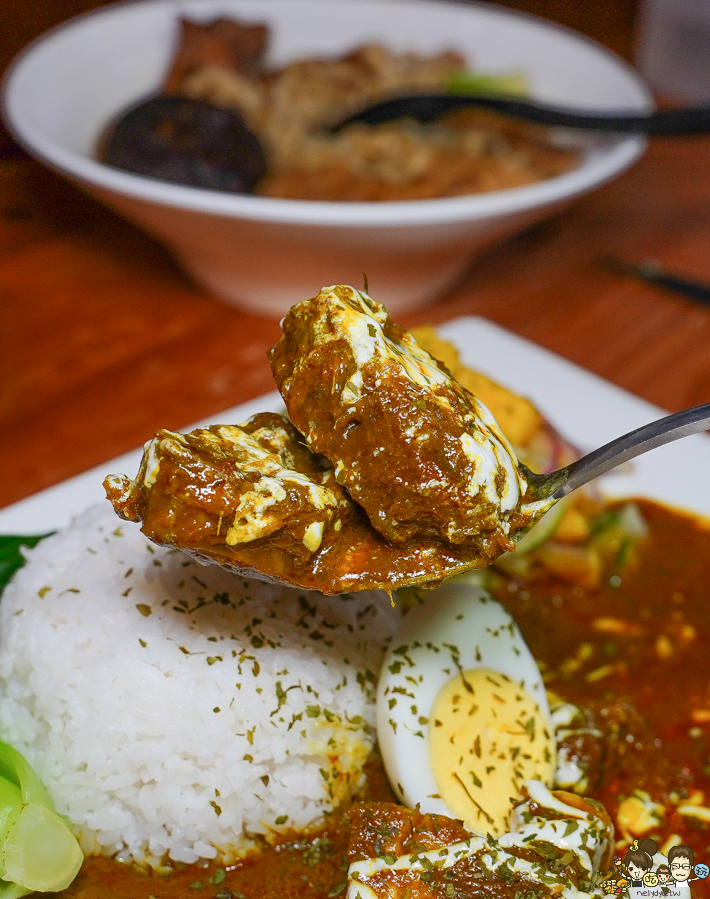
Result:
{"points": [[462, 715]]}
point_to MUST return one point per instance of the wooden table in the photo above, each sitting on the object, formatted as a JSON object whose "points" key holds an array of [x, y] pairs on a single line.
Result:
{"points": [[104, 339]]}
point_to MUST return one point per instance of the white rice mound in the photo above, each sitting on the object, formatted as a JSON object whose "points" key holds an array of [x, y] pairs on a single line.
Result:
{"points": [[176, 711]]}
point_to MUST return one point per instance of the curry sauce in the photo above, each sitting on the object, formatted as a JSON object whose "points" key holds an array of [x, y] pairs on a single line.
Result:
{"points": [[631, 654]]}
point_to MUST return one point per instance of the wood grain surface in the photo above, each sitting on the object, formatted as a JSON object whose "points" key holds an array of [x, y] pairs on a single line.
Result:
{"points": [[104, 340]]}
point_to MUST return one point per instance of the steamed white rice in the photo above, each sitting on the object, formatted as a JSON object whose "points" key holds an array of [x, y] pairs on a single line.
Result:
{"points": [[177, 711]]}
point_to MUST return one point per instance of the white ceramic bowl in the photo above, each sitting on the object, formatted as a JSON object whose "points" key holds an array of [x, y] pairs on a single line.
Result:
{"points": [[266, 253]]}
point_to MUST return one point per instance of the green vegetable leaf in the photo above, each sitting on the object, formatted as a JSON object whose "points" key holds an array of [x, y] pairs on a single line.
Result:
{"points": [[10, 556], [38, 851], [513, 84]]}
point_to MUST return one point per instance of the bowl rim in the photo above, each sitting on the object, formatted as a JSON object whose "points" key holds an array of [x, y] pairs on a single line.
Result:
{"points": [[96, 176]]}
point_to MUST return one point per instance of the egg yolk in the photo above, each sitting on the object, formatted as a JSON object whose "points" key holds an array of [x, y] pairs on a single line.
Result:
{"points": [[487, 736]]}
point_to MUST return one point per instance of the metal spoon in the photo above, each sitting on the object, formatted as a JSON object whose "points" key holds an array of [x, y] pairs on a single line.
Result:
{"points": [[557, 484], [427, 107]]}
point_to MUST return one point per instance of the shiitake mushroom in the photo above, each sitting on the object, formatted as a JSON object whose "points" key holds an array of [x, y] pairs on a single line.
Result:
{"points": [[186, 141]]}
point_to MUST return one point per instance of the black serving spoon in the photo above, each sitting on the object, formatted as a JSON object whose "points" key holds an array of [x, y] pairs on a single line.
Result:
{"points": [[428, 107]]}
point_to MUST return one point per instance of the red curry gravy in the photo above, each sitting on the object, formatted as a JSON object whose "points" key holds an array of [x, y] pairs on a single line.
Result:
{"points": [[634, 653]]}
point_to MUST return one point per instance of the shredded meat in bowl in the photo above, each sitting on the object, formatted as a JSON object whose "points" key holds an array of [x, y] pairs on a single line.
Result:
{"points": [[291, 108]]}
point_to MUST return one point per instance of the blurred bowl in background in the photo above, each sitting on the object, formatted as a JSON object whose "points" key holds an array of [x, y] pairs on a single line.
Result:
{"points": [[263, 253]]}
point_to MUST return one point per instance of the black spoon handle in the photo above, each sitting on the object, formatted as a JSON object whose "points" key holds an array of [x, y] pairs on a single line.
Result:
{"points": [[427, 107]]}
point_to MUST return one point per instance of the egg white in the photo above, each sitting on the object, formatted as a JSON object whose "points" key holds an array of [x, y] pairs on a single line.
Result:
{"points": [[458, 627]]}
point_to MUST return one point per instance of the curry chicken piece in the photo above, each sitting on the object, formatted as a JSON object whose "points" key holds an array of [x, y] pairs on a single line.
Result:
{"points": [[558, 843], [408, 479], [254, 499], [233, 485], [416, 450]]}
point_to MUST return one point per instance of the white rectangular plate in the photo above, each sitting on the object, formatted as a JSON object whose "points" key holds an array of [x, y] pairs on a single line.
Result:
{"points": [[586, 409]]}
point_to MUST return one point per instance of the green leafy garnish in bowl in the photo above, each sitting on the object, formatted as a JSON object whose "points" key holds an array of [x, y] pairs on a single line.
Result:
{"points": [[513, 84]]}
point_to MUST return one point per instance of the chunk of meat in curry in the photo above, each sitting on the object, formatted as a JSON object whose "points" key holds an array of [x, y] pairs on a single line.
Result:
{"points": [[418, 452], [254, 499], [558, 842]]}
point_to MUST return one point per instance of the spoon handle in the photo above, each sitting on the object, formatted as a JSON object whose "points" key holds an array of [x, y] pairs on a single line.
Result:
{"points": [[622, 449], [427, 107]]}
